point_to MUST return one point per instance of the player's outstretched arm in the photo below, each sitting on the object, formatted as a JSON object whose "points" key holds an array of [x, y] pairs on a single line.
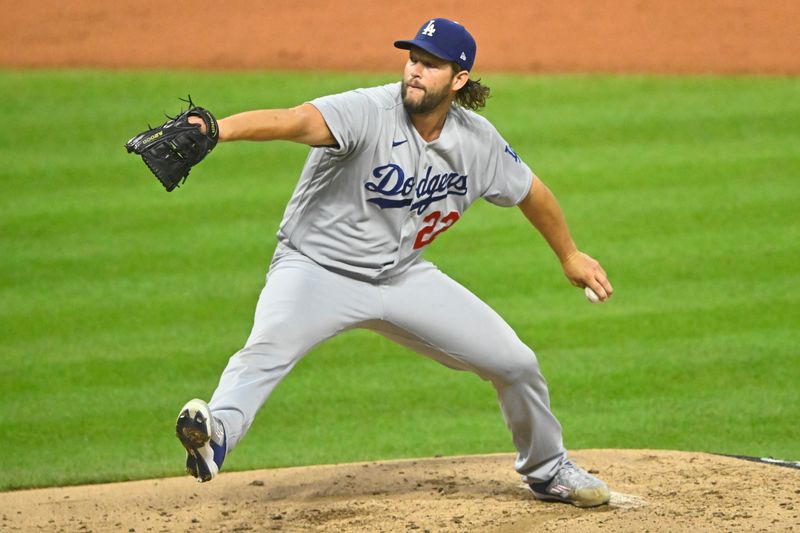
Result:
{"points": [[303, 124], [542, 210]]}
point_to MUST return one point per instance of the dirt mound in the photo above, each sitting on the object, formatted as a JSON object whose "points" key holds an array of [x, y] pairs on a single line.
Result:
{"points": [[651, 491], [732, 36]]}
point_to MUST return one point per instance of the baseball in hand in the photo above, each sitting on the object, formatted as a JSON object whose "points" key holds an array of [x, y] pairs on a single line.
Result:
{"points": [[592, 296]]}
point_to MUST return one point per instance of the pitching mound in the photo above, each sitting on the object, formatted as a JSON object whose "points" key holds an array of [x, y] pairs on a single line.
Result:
{"points": [[651, 491]]}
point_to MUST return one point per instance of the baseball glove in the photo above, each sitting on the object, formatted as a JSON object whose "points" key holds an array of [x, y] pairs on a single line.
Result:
{"points": [[172, 149]]}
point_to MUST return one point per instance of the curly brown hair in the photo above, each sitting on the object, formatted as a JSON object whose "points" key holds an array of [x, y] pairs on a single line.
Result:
{"points": [[473, 94]]}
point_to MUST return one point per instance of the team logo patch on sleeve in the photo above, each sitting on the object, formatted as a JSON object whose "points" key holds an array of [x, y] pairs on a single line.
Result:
{"points": [[513, 154]]}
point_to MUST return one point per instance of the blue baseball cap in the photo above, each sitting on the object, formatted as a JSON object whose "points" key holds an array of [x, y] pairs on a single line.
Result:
{"points": [[446, 40]]}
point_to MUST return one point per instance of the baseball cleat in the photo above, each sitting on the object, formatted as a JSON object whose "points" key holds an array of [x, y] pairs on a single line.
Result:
{"points": [[204, 439], [572, 484]]}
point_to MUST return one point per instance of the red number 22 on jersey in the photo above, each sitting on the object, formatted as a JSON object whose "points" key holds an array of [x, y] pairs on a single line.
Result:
{"points": [[435, 224]]}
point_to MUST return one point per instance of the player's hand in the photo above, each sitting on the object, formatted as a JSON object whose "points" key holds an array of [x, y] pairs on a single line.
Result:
{"points": [[584, 271], [199, 122]]}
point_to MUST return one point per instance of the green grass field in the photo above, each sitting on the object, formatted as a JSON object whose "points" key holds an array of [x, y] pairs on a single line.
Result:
{"points": [[120, 301]]}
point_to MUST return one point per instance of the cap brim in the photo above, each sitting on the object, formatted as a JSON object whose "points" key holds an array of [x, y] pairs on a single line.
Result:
{"points": [[424, 45]]}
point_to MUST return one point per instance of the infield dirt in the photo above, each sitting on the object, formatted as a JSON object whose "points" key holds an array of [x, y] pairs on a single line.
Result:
{"points": [[708, 36], [652, 490]]}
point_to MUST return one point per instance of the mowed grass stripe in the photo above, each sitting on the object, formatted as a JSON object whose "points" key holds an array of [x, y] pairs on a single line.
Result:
{"points": [[120, 301]]}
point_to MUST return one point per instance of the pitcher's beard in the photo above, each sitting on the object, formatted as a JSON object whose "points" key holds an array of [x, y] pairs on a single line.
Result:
{"points": [[429, 102]]}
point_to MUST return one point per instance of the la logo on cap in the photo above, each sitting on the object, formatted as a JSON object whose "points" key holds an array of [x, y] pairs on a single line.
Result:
{"points": [[429, 30]]}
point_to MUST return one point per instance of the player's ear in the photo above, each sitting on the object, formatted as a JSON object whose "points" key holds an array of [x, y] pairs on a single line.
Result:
{"points": [[459, 80]]}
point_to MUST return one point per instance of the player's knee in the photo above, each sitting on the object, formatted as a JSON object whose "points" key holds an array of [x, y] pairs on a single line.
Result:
{"points": [[518, 367], [279, 335], [272, 352]]}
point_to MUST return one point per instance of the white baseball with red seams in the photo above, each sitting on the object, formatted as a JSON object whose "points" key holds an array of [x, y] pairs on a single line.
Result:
{"points": [[592, 296]]}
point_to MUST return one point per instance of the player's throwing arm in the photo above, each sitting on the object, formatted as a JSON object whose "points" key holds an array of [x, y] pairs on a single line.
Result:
{"points": [[543, 211]]}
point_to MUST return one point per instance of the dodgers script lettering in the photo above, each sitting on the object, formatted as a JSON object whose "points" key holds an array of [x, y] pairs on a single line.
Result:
{"points": [[390, 182]]}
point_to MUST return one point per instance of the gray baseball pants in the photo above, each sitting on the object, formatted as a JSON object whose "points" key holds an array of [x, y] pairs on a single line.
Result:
{"points": [[304, 304]]}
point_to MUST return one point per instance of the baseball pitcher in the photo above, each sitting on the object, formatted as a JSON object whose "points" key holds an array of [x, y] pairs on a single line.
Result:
{"points": [[390, 168]]}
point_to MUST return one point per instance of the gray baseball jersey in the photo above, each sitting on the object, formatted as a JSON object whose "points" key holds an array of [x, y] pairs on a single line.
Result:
{"points": [[369, 206]]}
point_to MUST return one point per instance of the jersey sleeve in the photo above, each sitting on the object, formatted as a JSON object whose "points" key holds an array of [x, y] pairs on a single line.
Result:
{"points": [[509, 177], [349, 116]]}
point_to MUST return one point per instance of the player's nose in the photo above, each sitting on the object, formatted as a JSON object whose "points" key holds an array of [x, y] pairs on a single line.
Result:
{"points": [[415, 69]]}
